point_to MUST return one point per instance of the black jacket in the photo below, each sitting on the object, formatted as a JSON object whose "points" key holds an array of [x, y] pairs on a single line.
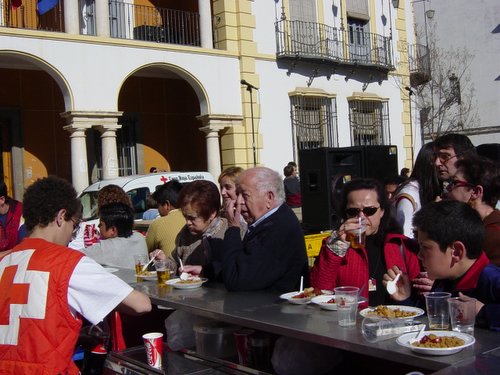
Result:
{"points": [[272, 256]]}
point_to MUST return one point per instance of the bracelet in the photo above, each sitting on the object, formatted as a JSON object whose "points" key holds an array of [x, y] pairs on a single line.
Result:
{"points": [[336, 245]]}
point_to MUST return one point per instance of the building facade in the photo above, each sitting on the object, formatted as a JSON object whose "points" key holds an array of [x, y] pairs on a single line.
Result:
{"points": [[463, 85], [94, 89]]}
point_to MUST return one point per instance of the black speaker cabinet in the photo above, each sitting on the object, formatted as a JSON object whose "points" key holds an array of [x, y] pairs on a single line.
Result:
{"points": [[324, 171]]}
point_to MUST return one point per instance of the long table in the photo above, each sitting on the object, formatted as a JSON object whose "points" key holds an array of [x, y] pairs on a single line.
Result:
{"points": [[267, 312]]}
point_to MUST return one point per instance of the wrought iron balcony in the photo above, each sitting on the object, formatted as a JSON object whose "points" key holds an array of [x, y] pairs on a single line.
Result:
{"points": [[127, 21], [317, 42], [153, 24], [419, 60], [26, 17]]}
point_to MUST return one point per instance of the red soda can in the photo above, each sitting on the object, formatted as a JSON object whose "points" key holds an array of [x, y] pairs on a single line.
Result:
{"points": [[153, 343]]}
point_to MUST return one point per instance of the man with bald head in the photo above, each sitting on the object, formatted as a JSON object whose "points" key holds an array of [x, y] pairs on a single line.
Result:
{"points": [[272, 254]]}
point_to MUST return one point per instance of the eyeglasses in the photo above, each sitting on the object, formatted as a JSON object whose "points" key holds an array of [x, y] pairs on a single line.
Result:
{"points": [[458, 183], [76, 226], [443, 157], [367, 211]]}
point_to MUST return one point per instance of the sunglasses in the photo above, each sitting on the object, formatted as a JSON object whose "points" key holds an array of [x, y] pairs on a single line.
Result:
{"points": [[458, 183], [367, 211]]}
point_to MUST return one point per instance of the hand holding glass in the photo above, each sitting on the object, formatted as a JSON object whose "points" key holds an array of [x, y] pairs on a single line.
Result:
{"points": [[357, 237]]}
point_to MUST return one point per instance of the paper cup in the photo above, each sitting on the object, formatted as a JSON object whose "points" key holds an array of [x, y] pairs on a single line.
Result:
{"points": [[153, 343], [241, 338]]}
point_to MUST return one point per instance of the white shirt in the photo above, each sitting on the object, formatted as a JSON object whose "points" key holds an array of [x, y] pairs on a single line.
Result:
{"points": [[94, 292], [404, 209]]}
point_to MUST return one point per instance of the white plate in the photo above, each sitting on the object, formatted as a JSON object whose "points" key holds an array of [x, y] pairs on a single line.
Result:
{"points": [[175, 283], [295, 301], [322, 301], [301, 301], [404, 340], [149, 275], [369, 311], [111, 269]]}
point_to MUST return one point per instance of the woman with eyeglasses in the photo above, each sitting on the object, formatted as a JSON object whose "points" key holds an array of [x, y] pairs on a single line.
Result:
{"points": [[477, 183], [199, 243], [364, 202]]}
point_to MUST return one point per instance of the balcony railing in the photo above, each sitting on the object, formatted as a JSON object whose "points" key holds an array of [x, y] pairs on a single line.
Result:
{"points": [[419, 59], [27, 17], [315, 41], [162, 25], [127, 21]]}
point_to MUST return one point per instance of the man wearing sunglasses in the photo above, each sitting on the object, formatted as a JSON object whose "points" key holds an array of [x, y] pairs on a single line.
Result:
{"points": [[448, 149], [477, 183]]}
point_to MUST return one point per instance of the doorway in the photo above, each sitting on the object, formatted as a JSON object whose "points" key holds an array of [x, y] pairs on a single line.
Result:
{"points": [[11, 152]]}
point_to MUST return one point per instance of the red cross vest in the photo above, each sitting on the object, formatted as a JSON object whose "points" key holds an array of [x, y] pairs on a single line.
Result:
{"points": [[38, 333]]}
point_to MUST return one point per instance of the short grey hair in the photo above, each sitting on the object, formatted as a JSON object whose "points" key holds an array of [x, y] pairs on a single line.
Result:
{"points": [[266, 180]]}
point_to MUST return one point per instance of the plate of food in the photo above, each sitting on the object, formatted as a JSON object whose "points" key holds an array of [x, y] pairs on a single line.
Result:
{"points": [[148, 275], [190, 283], [392, 311], [301, 298], [327, 302], [436, 342]]}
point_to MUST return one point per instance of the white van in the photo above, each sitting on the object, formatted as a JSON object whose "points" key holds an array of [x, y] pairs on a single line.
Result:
{"points": [[138, 187]]}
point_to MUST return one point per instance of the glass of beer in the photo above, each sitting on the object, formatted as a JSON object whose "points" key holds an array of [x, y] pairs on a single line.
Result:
{"points": [[162, 272], [140, 261], [357, 237]]}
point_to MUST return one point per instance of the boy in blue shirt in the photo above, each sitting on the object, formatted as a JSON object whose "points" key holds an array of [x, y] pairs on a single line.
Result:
{"points": [[451, 238]]}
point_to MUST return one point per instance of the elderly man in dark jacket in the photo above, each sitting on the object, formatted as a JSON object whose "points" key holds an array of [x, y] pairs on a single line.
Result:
{"points": [[272, 254]]}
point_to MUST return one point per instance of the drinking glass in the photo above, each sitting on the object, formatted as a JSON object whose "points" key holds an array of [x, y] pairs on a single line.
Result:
{"points": [[357, 237], [346, 298], [140, 261], [437, 310], [462, 314], [162, 272]]}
